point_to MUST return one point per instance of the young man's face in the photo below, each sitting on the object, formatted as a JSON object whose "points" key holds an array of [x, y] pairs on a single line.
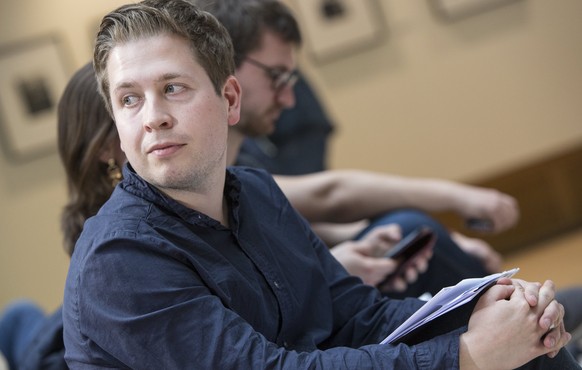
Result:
{"points": [[261, 103], [172, 125]]}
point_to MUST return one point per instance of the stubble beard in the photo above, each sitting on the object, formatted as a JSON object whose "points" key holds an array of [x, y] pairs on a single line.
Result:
{"points": [[254, 125], [195, 179]]}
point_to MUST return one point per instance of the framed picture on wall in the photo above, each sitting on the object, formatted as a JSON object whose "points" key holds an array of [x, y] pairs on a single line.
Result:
{"points": [[334, 28], [458, 9], [33, 75]]}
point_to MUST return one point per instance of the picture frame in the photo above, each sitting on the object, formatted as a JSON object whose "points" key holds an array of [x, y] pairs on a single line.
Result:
{"points": [[335, 28], [452, 10], [33, 75]]}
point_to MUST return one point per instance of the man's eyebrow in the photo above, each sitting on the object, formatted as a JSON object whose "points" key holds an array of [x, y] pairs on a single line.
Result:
{"points": [[169, 76], [130, 84], [124, 85]]}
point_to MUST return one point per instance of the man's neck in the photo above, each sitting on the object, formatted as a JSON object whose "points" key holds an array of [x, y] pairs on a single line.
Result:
{"points": [[208, 199]]}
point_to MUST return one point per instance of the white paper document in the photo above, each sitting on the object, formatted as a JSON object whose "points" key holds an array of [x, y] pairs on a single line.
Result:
{"points": [[446, 300]]}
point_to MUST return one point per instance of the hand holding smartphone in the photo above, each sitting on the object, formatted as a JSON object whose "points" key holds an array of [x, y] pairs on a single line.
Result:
{"points": [[408, 248]]}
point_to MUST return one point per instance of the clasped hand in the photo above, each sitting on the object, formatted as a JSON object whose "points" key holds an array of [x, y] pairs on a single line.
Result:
{"points": [[514, 322]]}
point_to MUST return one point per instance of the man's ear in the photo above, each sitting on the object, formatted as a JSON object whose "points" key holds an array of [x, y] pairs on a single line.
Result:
{"points": [[232, 92]]}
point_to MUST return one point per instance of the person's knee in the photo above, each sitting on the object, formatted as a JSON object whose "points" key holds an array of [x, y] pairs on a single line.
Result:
{"points": [[408, 219], [18, 317], [22, 310]]}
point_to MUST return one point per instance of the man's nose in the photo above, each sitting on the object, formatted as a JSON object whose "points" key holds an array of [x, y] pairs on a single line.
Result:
{"points": [[156, 115], [286, 97]]}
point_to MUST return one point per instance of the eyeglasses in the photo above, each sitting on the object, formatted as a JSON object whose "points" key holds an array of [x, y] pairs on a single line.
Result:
{"points": [[280, 77]]}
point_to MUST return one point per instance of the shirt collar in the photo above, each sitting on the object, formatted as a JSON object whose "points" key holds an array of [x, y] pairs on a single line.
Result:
{"points": [[135, 184]]}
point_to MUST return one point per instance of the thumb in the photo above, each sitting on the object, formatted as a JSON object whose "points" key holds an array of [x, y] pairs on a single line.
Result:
{"points": [[499, 292]]}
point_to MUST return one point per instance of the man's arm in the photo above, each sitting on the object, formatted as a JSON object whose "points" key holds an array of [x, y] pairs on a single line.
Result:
{"points": [[353, 195]]}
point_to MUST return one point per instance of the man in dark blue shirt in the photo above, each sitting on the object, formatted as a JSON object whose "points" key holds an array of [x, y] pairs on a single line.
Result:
{"points": [[191, 265]]}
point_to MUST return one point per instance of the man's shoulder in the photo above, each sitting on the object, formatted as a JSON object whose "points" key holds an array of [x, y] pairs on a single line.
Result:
{"points": [[250, 176], [258, 190], [123, 214], [246, 171]]}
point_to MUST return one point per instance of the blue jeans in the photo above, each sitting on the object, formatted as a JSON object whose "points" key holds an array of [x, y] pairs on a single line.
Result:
{"points": [[19, 325], [449, 264]]}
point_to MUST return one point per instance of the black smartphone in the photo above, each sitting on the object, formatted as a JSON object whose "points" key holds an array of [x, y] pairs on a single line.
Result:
{"points": [[412, 243], [408, 247]]}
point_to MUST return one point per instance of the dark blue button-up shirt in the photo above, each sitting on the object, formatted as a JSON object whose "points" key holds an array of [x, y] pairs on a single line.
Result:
{"points": [[156, 285]]}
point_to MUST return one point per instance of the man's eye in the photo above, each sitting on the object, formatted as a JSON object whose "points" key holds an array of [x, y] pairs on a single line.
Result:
{"points": [[172, 89], [276, 73], [128, 100]]}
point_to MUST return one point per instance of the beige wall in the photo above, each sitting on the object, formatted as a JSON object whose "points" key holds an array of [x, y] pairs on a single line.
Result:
{"points": [[463, 99], [457, 100]]}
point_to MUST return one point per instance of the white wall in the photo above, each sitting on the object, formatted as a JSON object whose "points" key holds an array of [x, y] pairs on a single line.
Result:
{"points": [[457, 100]]}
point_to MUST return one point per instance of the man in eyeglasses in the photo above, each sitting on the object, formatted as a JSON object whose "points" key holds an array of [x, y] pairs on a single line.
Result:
{"points": [[266, 40], [266, 73]]}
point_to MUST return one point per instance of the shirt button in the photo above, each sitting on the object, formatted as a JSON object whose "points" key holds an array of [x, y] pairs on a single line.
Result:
{"points": [[285, 344], [276, 284]]}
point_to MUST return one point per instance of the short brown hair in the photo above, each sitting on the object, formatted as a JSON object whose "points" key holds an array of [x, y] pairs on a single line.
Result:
{"points": [[210, 42]]}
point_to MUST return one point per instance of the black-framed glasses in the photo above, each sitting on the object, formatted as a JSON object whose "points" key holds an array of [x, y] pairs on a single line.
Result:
{"points": [[280, 77]]}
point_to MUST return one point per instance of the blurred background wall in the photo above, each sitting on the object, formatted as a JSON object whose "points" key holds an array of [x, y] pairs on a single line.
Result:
{"points": [[460, 99]]}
